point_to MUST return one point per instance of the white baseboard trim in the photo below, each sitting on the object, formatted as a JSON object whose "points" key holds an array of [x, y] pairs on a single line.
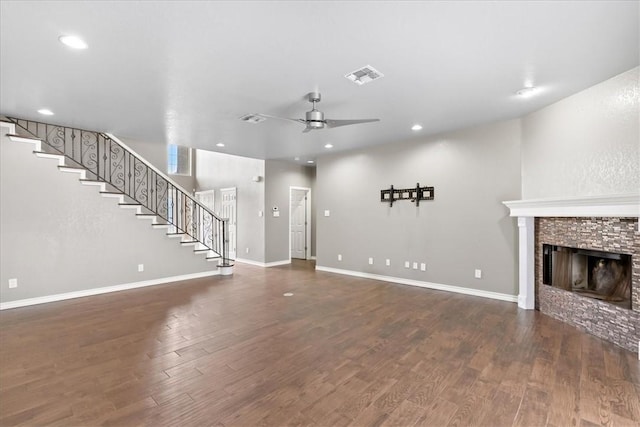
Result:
{"points": [[97, 291], [430, 285], [263, 264], [313, 258]]}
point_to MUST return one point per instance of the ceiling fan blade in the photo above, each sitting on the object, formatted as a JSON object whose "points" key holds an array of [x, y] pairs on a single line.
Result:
{"points": [[307, 130], [337, 123], [282, 118]]}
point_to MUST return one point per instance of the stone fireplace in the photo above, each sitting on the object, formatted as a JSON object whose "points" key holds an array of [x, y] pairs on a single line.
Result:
{"points": [[595, 243]]}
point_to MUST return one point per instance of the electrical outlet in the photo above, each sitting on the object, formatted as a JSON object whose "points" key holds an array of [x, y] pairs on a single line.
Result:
{"points": [[247, 250], [423, 266], [13, 283], [406, 264], [478, 274], [370, 261], [415, 265], [140, 268], [327, 213], [260, 214], [339, 257], [388, 262]]}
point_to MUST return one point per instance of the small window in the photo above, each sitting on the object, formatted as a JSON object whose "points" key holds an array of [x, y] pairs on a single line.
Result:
{"points": [[179, 160]]}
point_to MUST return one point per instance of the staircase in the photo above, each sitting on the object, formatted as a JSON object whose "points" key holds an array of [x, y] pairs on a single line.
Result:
{"points": [[102, 160]]}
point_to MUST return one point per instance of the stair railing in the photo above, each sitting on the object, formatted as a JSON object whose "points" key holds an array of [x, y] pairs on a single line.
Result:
{"points": [[110, 161]]}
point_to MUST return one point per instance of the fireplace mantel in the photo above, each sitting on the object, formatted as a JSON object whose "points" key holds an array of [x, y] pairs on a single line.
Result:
{"points": [[619, 205]]}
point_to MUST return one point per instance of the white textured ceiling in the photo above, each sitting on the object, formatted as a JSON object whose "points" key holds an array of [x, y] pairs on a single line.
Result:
{"points": [[184, 72]]}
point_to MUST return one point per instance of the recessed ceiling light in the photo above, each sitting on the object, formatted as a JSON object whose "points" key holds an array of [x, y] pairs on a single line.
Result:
{"points": [[73, 42], [416, 127], [310, 161], [328, 146], [219, 144], [45, 112], [296, 158], [527, 92]]}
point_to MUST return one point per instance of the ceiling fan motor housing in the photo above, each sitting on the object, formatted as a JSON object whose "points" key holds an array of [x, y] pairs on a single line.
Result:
{"points": [[315, 119]]}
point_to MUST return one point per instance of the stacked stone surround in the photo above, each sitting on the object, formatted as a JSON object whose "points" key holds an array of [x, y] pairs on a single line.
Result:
{"points": [[620, 235]]}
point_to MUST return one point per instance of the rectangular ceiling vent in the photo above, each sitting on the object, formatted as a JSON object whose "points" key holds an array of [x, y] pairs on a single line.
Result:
{"points": [[253, 118], [364, 75]]}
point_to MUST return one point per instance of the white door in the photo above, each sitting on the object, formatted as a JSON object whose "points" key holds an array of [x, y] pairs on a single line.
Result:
{"points": [[206, 227], [228, 211], [206, 198], [298, 223]]}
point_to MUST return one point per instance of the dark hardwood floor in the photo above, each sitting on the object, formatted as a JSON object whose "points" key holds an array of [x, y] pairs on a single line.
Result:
{"points": [[233, 351]]}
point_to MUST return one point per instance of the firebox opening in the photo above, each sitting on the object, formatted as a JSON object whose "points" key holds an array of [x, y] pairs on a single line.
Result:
{"points": [[601, 275]]}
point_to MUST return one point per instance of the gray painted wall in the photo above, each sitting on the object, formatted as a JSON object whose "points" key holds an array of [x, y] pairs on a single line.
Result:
{"points": [[465, 228], [585, 145], [280, 176], [219, 170], [59, 236]]}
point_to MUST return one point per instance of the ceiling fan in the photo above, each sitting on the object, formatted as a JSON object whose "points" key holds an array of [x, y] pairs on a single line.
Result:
{"points": [[314, 119]]}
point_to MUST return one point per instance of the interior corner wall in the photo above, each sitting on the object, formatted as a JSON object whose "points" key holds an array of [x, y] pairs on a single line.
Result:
{"points": [[279, 177], [585, 145], [59, 236], [466, 227], [219, 170]]}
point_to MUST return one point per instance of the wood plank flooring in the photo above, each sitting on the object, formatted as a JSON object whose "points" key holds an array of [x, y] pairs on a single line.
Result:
{"points": [[342, 351]]}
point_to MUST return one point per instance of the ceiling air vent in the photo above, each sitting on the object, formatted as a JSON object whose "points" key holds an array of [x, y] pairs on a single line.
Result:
{"points": [[364, 75], [253, 118]]}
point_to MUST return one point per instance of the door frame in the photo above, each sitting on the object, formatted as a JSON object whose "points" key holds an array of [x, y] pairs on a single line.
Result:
{"points": [[235, 189], [307, 252]]}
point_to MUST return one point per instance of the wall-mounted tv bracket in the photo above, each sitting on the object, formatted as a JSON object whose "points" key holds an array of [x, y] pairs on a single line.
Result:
{"points": [[414, 194]]}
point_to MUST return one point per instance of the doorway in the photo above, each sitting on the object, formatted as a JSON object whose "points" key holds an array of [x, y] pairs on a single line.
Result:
{"points": [[206, 230], [228, 211], [300, 222]]}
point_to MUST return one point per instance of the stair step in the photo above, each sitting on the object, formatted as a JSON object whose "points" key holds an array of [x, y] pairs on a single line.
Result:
{"points": [[44, 155], [128, 204], [20, 138], [201, 251], [112, 194], [71, 169], [189, 242], [175, 234], [87, 181], [161, 225]]}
